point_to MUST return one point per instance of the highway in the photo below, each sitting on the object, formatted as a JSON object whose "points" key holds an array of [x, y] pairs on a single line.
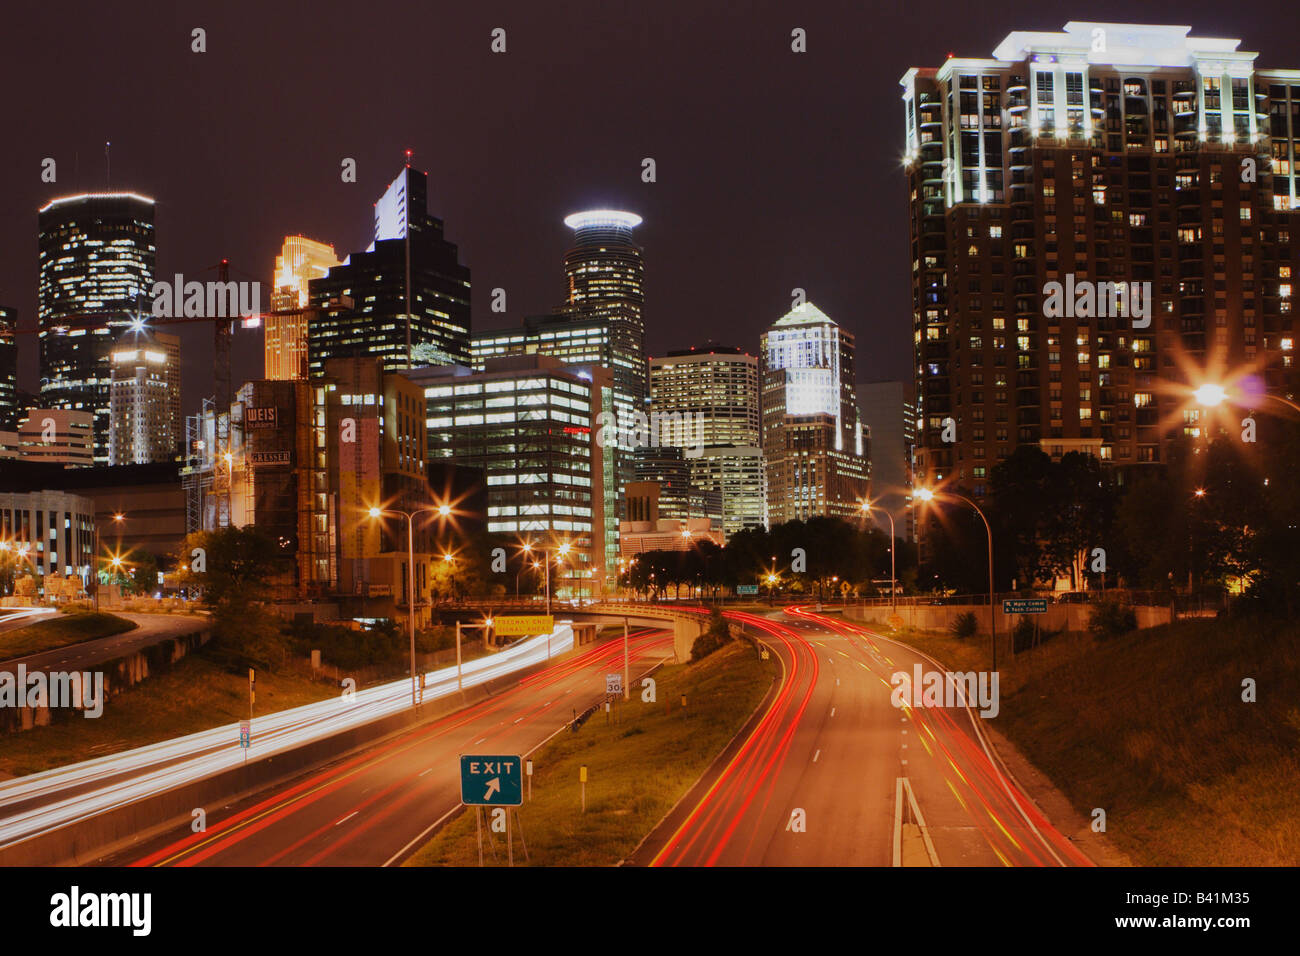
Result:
{"points": [[378, 806], [832, 771], [44, 801]]}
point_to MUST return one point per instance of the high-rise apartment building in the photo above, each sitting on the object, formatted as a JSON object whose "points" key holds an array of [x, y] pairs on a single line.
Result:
{"points": [[97, 258], [814, 442], [300, 260], [405, 300], [705, 399], [8, 369], [1099, 215], [145, 397], [531, 424]]}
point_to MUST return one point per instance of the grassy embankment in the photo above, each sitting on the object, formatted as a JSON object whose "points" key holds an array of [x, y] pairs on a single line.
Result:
{"points": [[1152, 728], [637, 768], [67, 628], [199, 692]]}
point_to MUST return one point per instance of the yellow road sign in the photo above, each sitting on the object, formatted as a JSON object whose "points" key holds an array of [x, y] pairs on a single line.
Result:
{"points": [[520, 624]]}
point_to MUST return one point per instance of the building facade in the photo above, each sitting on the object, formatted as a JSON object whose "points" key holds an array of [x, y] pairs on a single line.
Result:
{"points": [[599, 323], [57, 435], [814, 442], [1099, 217], [97, 257], [45, 533], [8, 369], [300, 260], [706, 399], [145, 398], [405, 300], [530, 424]]}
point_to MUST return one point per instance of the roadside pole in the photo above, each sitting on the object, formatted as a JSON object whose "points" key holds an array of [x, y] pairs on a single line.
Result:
{"points": [[459, 683], [626, 689]]}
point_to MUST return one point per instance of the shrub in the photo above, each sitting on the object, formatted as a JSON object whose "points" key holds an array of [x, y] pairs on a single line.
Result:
{"points": [[964, 625], [1110, 618], [717, 635], [1022, 635]]}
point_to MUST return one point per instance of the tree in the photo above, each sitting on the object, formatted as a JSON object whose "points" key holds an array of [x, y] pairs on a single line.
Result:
{"points": [[143, 580]]}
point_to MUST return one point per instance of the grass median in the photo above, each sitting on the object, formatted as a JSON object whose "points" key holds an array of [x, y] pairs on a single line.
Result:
{"points": [[71, 627], [1152, 727], [638, 767]]}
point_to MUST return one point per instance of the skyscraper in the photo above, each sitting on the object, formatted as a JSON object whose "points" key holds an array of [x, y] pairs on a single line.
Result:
{"points": [[813, 439], [600, 321], [97, 257], [405, 300], [145, 398], [1098, 215], [300, 260], [8, 369], [706, 399]]}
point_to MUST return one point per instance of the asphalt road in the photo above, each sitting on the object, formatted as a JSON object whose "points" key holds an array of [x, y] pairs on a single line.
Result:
{"points": [[150, 629], [378, 806], [822, 778]]}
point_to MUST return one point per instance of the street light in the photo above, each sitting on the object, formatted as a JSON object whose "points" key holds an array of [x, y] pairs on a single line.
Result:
{"points": [[1212, 395], [527, 548], [867, 508], [926, 495], [410, 574]]}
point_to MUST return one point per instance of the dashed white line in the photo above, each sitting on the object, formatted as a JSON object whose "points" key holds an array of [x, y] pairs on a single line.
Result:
{"points": [[423, 772], [816, 755], [517, 719], [348, 817], [479, 741], [832, 711]]}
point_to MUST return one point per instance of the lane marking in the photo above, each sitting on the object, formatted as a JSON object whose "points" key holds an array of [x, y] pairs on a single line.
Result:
{"points": [[816, 755], [348, 817], [832, 711], [423, 772]]}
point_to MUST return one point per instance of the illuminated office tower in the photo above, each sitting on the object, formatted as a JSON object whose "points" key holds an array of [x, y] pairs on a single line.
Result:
{"points": [[706, 399], [300, 260], [1106, 153], [599, 323], [405, 300], [814, 442], [8, 369], [96, 269], [145, 398], [530, 424]]}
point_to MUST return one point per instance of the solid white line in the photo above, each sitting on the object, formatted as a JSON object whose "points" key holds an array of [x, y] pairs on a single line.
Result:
{"points": [[348, 817]]}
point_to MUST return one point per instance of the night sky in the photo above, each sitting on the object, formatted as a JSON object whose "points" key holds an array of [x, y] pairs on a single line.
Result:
{"points": [[775, 170]]}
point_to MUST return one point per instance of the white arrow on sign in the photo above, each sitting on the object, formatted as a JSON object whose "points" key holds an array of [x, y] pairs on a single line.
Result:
{"points": [[493, 785]]}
